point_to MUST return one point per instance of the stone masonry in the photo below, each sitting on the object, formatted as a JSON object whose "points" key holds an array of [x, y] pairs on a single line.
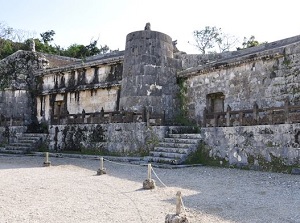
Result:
{"points": [[246, 102]]}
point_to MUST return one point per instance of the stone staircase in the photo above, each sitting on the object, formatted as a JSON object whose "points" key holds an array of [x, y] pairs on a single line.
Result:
{"points": [[25, 143], [174, 149]]}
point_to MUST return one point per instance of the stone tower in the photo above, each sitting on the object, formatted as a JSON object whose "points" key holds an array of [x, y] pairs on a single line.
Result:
{"points": [[149, 73]]}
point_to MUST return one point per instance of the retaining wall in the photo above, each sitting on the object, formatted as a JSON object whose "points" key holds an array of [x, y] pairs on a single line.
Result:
{"points": [[110, 139], [255, 145]]}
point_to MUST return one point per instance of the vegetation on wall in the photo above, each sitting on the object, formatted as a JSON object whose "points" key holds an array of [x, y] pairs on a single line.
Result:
{"points": [[201, 156], [182, 116]]}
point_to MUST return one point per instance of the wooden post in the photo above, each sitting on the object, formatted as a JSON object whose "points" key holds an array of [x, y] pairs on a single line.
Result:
{"points": [[228, 116], [204, 117], [101, 170], [270, 117], [255, 113], [101, 163], [144, 114], [286, 111], [47, 162], [178, 217], [149, 183], [216, 117], [178, 203], [102, 112], [241, 114], [147, 117], [110, 117], [149, 171]]}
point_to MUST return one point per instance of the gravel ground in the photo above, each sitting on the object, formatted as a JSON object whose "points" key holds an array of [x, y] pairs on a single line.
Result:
{"points": [[70, 191]]}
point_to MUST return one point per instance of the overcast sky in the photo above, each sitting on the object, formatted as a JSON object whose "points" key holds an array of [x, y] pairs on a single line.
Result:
{"points": [[80, 21]]}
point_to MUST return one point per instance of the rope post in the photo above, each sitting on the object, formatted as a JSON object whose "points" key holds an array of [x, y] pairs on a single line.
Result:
{"points": [[149, 171], [178, 203], [149, 183], [101, 170], [178, 217], [47, 162]]}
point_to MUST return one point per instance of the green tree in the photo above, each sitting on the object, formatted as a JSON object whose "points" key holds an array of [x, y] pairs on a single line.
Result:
{"points": [[212, 39], [249, 42], [81, 51], [207, 38], [47, 36], [11, 40]]}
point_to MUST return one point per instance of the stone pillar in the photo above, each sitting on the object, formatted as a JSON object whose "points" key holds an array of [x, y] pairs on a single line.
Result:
{"points": [[149, 74]]}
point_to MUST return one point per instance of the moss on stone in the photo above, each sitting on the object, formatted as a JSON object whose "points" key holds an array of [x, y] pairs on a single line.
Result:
{"points": [[201, 156]]}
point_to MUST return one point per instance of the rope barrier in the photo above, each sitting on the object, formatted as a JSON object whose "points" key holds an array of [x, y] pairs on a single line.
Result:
{"points": [[183, 207], [158, 178], [121, 164]]}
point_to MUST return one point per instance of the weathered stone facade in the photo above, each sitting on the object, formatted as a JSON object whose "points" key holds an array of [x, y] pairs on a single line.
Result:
{"points": [[254, 146], [267, 78], [246, 102], [149, 74]]}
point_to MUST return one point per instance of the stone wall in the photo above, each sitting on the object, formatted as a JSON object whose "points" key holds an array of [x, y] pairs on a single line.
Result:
{"points": [[10, 133], [111, 139], [77, 89], [14, 104], [18, 85], [149, 73], [255, 146], [267, 80]]}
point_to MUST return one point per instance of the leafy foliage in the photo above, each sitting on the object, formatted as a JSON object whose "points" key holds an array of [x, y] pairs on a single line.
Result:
{"points": [[10, 43], [207, 38], [249, 42], [47, 36], [212, 38]]}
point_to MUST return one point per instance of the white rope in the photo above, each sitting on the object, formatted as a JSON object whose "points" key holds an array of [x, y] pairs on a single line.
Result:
{"points": [[158, 177], [183, 207], [121, 164]]}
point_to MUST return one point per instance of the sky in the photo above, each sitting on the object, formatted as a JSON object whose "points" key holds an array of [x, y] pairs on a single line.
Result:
{"points": [[109, 21]]}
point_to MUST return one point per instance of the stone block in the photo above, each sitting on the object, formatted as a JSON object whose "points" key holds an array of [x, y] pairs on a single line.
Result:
{"points": [[149, 184], [173, 218], [295, 171]]}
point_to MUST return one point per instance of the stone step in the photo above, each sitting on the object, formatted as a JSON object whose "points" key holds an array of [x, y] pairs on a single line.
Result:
{"points": [[162, 160], [171, 155], [20, 144], [173, 150], [177, 145], [36, 135], [30, 137], [14, 151], [180, 140], [186, 136], [17, 147], [24, 143]]}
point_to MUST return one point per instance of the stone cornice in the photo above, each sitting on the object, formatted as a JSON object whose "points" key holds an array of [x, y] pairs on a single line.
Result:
{"points": [[82, 65], [224, 64], [81, 88]]}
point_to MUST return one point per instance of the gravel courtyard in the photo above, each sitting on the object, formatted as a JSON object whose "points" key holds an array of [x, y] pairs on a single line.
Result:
{"points": [[70, 191]]}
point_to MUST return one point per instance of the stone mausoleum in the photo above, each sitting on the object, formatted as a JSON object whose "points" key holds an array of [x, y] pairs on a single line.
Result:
{"points": [[240, 108]]}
